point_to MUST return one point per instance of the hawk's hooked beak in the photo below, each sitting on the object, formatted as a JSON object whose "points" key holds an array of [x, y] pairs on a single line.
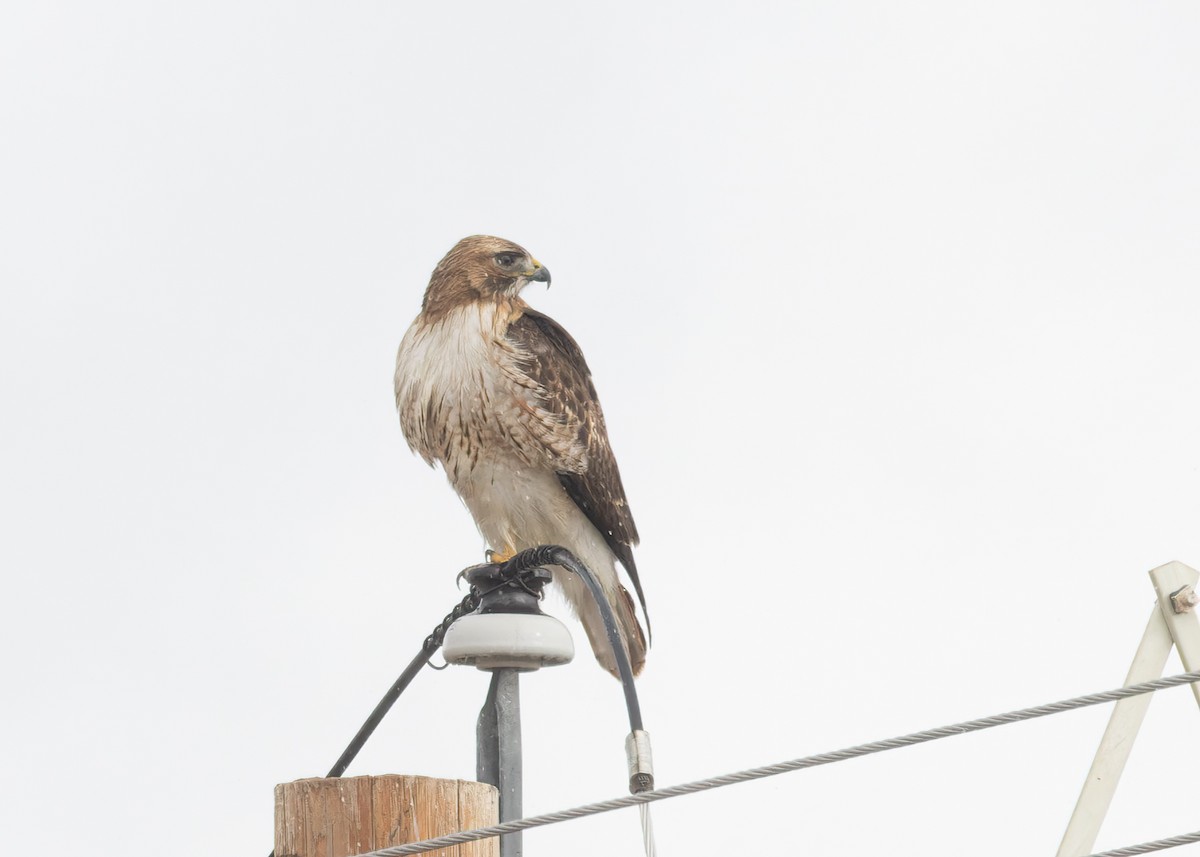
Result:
{"points": [[541, 274]]}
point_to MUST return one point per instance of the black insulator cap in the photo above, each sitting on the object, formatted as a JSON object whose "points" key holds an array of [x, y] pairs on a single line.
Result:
{"points": [[501, 593]]}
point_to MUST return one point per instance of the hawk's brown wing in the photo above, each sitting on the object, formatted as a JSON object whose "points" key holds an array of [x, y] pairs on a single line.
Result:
{"points": [[556, 364]]}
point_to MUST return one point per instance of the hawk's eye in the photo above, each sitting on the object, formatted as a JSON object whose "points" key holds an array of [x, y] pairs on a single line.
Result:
{"points": [[506, 260]]}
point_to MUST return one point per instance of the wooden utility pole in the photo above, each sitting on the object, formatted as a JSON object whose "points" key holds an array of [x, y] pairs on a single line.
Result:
{"points": [[342, 817]]}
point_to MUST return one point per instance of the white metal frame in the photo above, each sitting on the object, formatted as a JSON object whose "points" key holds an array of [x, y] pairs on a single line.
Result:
{"points": [[1172, 623]]}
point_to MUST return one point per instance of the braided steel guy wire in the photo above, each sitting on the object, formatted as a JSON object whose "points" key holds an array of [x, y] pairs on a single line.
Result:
{"points": [[1147, 847], [795, 765]]}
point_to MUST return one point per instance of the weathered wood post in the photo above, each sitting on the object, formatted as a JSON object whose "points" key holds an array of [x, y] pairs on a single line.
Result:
{"points": [[341, 817]]}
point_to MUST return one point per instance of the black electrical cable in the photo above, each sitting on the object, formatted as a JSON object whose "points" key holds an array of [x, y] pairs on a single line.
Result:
{"points": [[639, 781], [558, 555], [381, 710], [432, 643]]}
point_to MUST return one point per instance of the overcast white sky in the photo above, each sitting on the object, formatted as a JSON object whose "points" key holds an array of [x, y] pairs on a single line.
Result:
{"points": [[893, 308]]}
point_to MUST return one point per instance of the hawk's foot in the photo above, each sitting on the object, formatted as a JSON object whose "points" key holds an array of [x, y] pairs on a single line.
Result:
{"points": [[500, 556]]}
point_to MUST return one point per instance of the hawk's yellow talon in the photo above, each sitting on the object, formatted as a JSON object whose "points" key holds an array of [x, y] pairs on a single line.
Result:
{"points": [[500, 555]]}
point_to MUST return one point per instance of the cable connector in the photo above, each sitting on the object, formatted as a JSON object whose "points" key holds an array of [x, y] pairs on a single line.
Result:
{"points": [[641, 761]]}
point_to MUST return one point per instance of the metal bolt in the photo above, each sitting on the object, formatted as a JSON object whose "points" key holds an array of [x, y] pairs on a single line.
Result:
{"points": [[1184, 600]]}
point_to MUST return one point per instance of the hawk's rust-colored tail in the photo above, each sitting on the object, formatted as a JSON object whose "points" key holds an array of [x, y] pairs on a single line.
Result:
{"points": [[627, 624]]}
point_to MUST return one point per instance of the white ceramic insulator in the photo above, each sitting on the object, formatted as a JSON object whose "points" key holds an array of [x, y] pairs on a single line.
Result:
{"points": [[522, 641]]}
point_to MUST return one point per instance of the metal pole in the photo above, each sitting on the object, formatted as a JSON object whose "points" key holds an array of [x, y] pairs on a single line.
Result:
{"points": [[498, 750]]}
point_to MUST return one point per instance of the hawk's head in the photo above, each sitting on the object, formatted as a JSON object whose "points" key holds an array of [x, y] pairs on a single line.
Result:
{"points": [[481, 267]]}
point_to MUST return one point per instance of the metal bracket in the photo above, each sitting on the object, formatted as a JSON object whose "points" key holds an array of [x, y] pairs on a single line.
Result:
{"points": [[1172, 624]]}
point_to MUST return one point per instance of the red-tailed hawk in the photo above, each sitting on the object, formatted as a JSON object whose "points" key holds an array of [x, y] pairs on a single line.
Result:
{"points": [[501, 396]]}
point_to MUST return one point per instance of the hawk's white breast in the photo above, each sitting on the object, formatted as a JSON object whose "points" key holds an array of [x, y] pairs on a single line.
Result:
{"points": [[451, 385], [464, 402]]}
